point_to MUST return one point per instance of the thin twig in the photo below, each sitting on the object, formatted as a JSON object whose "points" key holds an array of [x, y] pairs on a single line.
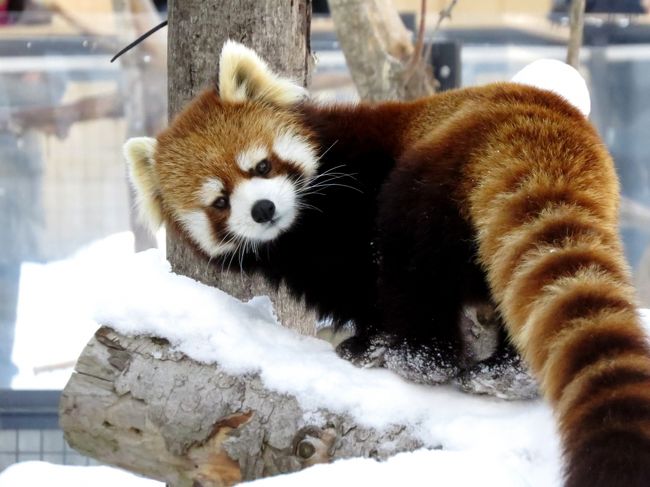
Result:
{"points": [[445, 13], [416, 58], [140, 39]]}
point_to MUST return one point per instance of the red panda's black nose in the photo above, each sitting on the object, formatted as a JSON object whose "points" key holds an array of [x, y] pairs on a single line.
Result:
{"points": [[263, 211]]}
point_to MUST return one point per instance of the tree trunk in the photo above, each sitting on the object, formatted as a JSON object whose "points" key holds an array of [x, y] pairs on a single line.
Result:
{"points": [[379, 51], [279, 31], [136, 404]]}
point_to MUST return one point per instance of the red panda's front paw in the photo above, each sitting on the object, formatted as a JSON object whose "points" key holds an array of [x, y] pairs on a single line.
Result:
{"points": [[365, 352], [422, 364], [430, 363]]}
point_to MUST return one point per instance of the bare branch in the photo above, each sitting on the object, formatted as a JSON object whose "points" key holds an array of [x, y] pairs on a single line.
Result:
{"points": [[445, 13], [577, 22], [416, 58], [57, 120], [379, 50]]}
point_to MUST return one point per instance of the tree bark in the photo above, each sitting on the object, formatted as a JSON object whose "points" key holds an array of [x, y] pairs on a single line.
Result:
{"points": [[379, 51], [136, 404], [279, 31]]}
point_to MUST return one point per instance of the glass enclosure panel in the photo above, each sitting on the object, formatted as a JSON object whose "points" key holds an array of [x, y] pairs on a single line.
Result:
{"points": [[65, 205]]}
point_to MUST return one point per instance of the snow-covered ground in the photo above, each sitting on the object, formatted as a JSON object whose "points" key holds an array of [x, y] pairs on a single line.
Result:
{"points": [[486, 440], [43, 474], [55, 304]]}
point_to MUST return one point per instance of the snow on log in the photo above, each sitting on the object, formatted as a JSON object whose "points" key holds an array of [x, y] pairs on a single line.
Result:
{"points": [[135, 403], [191, 386]]}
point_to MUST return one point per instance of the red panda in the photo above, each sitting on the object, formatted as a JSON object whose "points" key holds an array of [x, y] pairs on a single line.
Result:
{"points": [[393, 215]]}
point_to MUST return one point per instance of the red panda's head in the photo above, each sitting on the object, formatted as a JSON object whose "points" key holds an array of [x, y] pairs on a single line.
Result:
{"points": [[230, 168]]}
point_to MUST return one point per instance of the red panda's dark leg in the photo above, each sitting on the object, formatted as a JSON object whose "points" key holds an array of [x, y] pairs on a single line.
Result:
{"points": [[426, 271]]}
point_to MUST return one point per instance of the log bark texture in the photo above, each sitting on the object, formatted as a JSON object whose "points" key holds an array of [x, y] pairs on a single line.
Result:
{"points": [[279, 31], [134, 403]]}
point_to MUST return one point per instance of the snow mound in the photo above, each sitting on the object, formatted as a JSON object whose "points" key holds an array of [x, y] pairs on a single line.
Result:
{"points": [[558, 77], [471, 439], [422, 468]]}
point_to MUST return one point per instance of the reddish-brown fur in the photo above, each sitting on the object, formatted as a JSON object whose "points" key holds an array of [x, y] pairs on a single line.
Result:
{"points": [[556, 269], [527, 174]]}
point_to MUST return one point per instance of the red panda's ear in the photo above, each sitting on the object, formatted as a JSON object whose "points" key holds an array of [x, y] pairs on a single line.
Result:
{"points": [[244, 76], [139, 152]]}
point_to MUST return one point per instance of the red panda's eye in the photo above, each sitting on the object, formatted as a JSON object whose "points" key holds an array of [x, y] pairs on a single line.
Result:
{"points": [[263, 167], [220, 203]]}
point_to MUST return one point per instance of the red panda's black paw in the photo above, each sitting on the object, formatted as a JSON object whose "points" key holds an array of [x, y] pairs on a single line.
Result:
{"points": [[365, 352], [422, 364]]}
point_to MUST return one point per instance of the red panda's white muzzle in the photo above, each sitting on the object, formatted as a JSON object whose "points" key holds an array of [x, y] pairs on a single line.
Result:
{"points": [[260, 209]]}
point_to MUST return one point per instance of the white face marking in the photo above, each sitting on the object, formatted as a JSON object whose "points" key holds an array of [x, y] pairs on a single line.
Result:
{"points": [[210, 190], [279, 190], [296, 149], [197, 224], [249, 158]]}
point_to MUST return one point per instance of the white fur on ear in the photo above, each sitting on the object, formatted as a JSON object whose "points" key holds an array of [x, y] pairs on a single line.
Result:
{"points": [[558, 77], [139, 153], [244, 76]]}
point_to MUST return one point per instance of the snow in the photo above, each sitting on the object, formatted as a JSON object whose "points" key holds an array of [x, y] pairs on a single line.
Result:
{"points": [[559, 77], [55, 303], [504, 443], [58, 296], [144, 297], [407, 469], [416, 469], [34, 474]]}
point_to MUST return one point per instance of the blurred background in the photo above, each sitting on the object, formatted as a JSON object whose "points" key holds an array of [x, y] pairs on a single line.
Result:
{"points": [[65, 110]]}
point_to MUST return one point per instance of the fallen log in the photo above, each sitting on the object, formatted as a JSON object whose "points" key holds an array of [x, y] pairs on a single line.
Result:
{"points": [[135, 403]]}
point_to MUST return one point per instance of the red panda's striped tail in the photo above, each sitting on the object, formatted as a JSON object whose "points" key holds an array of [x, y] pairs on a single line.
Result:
{"points": [[545, 209]]}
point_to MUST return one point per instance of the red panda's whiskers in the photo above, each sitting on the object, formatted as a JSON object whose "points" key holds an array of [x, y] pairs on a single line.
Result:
{"points": [[304, 206], [207, 266], [327, 184], [326, 180], [332, 171], [327, 150], [237, 241], [333, 177]]}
